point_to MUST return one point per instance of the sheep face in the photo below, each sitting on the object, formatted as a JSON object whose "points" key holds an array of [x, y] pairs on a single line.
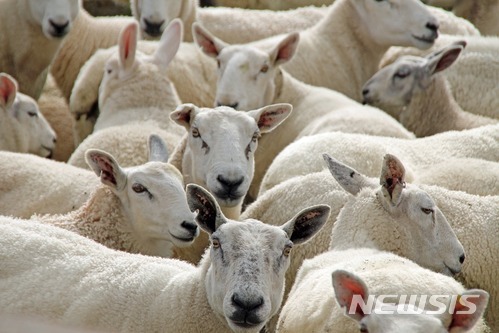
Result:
{"points": [[396, 84], [246, 73], [245, 280], [398, 22], [392, 318], [221, 145], [54, 16], [396, 217], [153, 15], [153, 199], [29, 130]]}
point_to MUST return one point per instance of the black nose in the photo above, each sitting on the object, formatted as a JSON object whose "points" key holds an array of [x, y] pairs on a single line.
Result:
{"points": [[228, 184], [54, 140], [461, 258], [59, 28], [247, 304], [153, 29], [432, 26], [365, 92], [191, 227], [234, 106]]}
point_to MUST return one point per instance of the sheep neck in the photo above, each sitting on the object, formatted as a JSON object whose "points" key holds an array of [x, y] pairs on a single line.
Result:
{"points": [[433, 110], [353, 43]]}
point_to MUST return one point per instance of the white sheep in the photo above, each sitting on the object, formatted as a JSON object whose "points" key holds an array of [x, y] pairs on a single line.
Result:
{"points": [[22, 126], [361, 275], [273, 4], [471, 217], [220, 147], [479, 59], [32, 184], [415, 85], [483, 14], [135, 99], [245, 25], [29, 324], [237, 286], [250, 77], [194, 75], [87, 36], [32, 32], [140, 209], [365, 152]]}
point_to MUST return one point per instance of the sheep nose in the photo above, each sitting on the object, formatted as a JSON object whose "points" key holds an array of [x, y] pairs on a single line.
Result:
{"points": [[461, 258], [228, 184], [59, 28], [189, 226], [153, 29], [365, 92], [433, 26], [54, 140], [234, 105], [247, 304]]}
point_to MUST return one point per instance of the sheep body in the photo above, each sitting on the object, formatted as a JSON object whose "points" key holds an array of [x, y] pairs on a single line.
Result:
{"points": [[311, 306], [365, 152], [31, 184]]}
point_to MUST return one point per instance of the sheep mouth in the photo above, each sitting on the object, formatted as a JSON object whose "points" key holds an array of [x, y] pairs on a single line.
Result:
{"points": [[50, 151], [183, 239], [450, 271], [428, 40]]}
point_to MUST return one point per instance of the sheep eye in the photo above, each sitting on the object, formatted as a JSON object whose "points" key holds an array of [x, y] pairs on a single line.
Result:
{"points": [[287, 251], [402, 73], [427, 211], [109, 71], [32, 114], [215, 243], [138, 188], [264, 69], [195, 132]]}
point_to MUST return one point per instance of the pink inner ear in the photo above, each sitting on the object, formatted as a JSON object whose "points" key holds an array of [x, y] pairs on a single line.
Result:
{"points": [[127, 43], [107, 170], [350, 288], [286, 51], [6, 89], [267, 119], [463, 320]]}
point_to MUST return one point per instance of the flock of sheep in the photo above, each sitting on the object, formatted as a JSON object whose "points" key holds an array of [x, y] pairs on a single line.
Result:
{"points": [[218, 169]]}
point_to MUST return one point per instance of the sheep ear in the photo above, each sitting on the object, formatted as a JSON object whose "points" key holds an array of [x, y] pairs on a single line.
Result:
{"points": [[468, 310], [184, 114], [8, 90], [158, 151], [169, 43], [350, 292], [128, 45], [441, 60], [351, 180], [271, 116], [307, 223], [286, 49], [208, 43], [392, 179], [209, 216], [105, 166]]}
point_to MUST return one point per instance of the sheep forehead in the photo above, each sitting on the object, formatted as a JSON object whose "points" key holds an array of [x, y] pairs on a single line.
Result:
{"points": [[243, 58], [251, 235], [155, 174], [224, 120], [416, 196]]}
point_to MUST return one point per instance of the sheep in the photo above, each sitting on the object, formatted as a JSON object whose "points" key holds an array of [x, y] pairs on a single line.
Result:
{"points": [[237, 87], [87, 36], [220, 147], [136, 98], [414, 84], [32, 184], [273, 5], [237, 286], [32, 32], [365, 152], [154, 15], [483, 14], [140, 209], [365, 273], [194, 75], [374, 215], [479, 59], [23, 128], [28, 324]]}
